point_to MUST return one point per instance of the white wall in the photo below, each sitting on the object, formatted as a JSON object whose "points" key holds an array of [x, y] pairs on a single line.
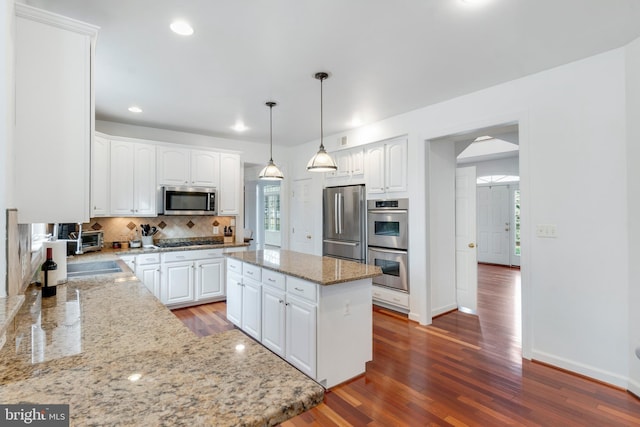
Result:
{"points": [[441, 165], [505, 166], [6, 128], [633, 197], [572, 123]]}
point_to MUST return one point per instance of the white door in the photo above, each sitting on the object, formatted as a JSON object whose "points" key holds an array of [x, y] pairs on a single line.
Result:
{"points": [[205, 168], [150, 275], [177, 282], [494, 209], [144, 180], [173, 166], [210, 278], [252, 308], [121, 182], [302, 217], [234, 299], [273, 323], [230, 189], [466, 256], [301, 336], [100, 177]]}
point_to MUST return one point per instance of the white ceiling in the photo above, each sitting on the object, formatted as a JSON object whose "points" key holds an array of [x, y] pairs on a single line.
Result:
{"points": [[385, 57]]}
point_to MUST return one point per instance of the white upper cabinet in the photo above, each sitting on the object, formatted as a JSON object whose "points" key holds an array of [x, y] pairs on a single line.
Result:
{"points": [[173, 166], [230, 188], [54, 115], [100, 160], [205, 168], [133, 184], [386, 168], [184, 167], [350, 167]]}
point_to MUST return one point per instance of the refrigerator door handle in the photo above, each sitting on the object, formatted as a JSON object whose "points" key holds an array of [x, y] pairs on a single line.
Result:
{"points": [[340, 210], [335, 212], [337, 242]]}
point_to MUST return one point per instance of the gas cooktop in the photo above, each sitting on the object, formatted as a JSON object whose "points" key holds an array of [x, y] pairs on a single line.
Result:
{"points": [[187, 243]]}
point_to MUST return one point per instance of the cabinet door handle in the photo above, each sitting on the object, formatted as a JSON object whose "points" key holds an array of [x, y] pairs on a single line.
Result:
{"points": [[271, 280], [299, 290], [286, 303], [280, 301]]}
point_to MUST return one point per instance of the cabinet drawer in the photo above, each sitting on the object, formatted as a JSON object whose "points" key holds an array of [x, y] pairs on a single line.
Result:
{"points": [[234, 265], [147, 259], [301, 288], [176, 256], [399, 299], [206, 254], [251, 271], [271, 278]]}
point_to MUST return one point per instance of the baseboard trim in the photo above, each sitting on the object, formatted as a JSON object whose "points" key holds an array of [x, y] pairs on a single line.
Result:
{"points": [[634, 388], [442, 310], [591, 372]]}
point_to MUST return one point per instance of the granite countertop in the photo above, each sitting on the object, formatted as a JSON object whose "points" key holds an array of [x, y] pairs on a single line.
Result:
{"points": [[87, 345], [318, 269]]}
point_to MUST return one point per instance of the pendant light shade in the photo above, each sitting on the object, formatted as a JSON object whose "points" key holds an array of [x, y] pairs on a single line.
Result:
{"points": [[322, 161], [271, 172]]}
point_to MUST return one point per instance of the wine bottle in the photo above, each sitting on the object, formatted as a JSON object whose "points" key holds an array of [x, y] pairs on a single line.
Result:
{"points": [[47, 266]]}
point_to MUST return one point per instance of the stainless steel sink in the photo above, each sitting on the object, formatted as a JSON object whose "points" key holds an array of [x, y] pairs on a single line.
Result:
{"points": [[93, 268]]}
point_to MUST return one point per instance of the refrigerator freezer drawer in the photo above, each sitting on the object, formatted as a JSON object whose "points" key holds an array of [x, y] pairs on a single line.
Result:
{"points": [[344, 249]]}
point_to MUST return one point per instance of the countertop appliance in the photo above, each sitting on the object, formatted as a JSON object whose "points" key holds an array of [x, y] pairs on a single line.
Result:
{"points": [[388, 236], [344, 219], [188, 201]]}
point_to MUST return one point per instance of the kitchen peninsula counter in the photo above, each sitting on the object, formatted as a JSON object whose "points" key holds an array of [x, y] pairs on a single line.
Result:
{"points": [[108, 348], [317, 269]]}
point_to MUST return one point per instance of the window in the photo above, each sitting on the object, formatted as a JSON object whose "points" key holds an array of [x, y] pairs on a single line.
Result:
{"points": [[272, 207], [494, 179]]}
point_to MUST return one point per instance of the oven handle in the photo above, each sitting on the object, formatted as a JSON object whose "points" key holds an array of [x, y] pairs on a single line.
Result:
{"points": [[387, 251], [337, 242], [391, 211]]}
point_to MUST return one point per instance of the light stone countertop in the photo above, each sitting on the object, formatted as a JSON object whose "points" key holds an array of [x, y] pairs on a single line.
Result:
{"points": [[318, 269], [82, 346], [9, 307]]}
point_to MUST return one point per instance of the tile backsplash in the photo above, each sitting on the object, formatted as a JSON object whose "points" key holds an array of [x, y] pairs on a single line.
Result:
{"points": [[169, 227]]}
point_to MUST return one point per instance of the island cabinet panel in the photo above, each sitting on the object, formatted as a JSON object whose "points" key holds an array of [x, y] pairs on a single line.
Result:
{"points": [[323, 330]]}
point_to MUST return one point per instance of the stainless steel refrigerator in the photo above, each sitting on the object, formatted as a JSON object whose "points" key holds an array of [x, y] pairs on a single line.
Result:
{"points": [[345, 222]]}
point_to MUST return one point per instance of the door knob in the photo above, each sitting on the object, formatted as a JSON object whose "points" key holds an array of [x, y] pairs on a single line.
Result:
{"points": [[472, 245]]}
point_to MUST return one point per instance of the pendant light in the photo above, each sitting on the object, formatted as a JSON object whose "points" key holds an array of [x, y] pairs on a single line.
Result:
{"points": [[322, 161], [271, 172]]}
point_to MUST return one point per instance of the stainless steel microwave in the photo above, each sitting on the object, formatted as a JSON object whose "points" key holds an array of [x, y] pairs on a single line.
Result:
{"points": [[188, 201]]}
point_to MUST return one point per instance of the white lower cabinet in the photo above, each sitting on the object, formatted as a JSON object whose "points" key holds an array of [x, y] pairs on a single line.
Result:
{"points": [[234, 298], [251, 312], [177, 282], [147, 269], [209, 278], [324, 331], [181, 278]]}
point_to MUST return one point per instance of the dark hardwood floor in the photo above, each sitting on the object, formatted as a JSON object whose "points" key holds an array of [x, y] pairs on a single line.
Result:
{"points": [[461, 370]]}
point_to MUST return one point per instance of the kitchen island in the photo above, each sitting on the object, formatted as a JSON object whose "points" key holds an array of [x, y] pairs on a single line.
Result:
{"points": [[313, 311], [108, 348]]}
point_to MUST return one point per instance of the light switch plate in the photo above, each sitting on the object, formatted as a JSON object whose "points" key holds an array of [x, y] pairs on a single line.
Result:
{"points": [[547, 230]]}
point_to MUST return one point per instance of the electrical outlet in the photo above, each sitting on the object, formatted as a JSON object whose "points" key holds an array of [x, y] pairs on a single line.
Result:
{"points": [[216, 230], [547, 230]]}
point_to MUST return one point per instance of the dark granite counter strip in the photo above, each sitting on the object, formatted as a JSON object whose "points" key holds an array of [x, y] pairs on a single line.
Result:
{"points": [[112, 351], [317, 269]]}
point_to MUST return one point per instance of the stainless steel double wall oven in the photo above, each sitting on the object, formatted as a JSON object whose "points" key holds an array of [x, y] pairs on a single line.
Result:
{"points": [[388, 241]]}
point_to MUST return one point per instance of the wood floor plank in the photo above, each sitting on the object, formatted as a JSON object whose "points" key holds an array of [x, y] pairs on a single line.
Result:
{"points": [[463, 370]]}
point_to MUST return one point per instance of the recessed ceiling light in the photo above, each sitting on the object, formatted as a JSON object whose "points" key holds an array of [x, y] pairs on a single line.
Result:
{"points": [[135, 109], [239, 127], [181, 27]]}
